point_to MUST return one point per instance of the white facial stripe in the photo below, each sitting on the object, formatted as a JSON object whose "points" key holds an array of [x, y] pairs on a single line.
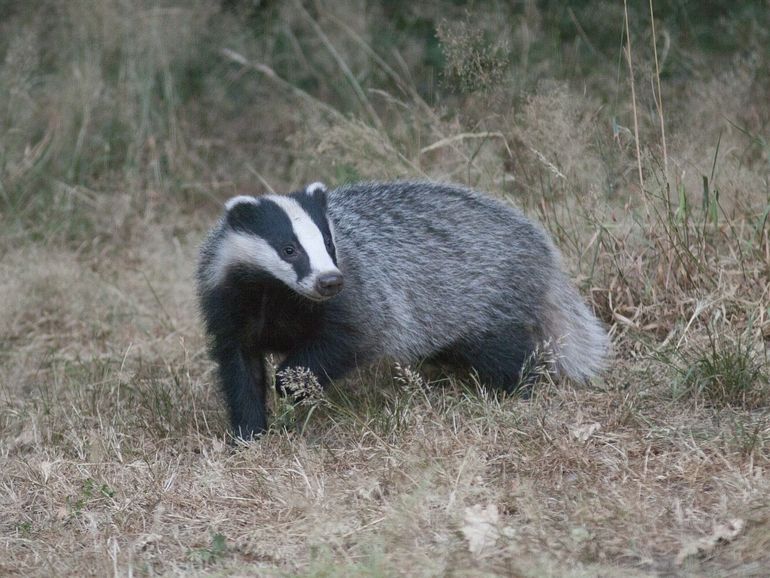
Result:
{"points": [[314, 187], [242, 248], [308, 235], [240, 199]]}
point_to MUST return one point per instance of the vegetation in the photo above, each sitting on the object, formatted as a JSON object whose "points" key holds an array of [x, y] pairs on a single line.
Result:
{"points": [[637, 135]]}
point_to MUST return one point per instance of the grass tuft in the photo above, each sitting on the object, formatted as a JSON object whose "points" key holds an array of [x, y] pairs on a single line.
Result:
{"points": [[725, 373]]}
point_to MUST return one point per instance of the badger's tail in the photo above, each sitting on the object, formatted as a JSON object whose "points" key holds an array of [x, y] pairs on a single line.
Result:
{"points": [[579, 341]]}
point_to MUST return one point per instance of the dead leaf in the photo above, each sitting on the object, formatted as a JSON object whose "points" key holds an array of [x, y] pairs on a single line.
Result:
{"points": [[146, 540], [481, 527], [723, 533], [584, 431]]}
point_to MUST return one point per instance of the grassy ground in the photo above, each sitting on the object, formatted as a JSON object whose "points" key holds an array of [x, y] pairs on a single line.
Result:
{"points": [[123, 126]]}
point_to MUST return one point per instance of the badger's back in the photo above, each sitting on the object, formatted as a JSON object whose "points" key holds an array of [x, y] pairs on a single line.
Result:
{"points": [[428, 264]]}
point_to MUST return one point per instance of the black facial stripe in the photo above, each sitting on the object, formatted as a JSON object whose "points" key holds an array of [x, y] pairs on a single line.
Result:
{"points": [[315, 206], [301, 265], [268, 221]]}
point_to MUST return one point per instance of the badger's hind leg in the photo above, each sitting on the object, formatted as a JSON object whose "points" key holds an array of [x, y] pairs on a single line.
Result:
{"points": [[500, 358]]}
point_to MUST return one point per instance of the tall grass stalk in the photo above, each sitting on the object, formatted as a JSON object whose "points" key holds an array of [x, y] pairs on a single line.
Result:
{"points": [[633, 96], [659, 96]]}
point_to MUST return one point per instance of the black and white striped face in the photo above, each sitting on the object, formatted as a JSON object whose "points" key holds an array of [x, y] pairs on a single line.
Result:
{"points": [[287, 237]]}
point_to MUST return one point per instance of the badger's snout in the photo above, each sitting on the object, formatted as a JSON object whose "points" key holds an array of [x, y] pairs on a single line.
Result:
{"points": [[329, 284]]}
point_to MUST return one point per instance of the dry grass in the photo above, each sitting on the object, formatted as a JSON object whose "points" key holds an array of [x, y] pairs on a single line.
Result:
{"points": [[114, 458]]}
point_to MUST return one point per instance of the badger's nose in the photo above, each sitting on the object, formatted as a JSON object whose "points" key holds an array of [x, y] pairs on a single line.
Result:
{"points": [[329, 284]]}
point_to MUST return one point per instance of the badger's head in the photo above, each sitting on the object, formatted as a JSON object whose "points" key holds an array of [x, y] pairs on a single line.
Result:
{"points": [[285, 238]]}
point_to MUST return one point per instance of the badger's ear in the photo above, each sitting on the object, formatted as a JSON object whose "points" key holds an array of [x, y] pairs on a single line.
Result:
{"points": [[233, 202], [317, 192], [240, 210], [315, 188]]}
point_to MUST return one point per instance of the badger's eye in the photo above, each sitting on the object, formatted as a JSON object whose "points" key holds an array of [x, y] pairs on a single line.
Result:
{"points": [[290, 251], [328, 242]]}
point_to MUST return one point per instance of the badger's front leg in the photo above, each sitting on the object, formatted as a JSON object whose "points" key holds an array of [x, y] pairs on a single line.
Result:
{"points": [[243, 379]]}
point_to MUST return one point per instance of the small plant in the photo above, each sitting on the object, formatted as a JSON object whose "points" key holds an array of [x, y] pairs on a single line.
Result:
{"points": [[408, 378], [89, 491], [300, 388], [24, 529], [539, 367], [215, 551], [301, 383]]}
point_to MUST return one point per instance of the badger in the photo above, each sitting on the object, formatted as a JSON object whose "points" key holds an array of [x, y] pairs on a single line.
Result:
{"points": [[332, 280]]}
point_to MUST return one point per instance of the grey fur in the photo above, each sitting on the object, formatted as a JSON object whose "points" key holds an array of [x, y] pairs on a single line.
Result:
{"points": [[429, 264]]}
